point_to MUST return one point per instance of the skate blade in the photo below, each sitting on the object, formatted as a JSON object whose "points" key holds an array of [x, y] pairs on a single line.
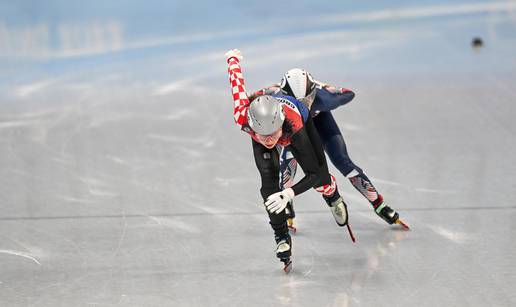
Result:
{"points": [[292, 229], [288, 267], [400, 222], [351, 233]]}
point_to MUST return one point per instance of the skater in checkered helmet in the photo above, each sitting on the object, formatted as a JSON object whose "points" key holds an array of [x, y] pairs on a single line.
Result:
{"points": [[282, 120], [321, 99]]}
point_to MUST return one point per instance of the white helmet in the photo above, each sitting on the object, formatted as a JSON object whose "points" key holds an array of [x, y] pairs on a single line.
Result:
{"points": [[299, 84], [265, 115]]}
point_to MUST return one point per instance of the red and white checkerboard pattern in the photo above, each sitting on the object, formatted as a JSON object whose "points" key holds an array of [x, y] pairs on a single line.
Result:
{"points": [[240, 99], [328, 189]]}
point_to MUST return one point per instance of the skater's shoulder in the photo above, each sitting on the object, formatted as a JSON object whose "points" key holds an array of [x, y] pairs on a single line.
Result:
{"points": [[293, 108], [289, 101]]}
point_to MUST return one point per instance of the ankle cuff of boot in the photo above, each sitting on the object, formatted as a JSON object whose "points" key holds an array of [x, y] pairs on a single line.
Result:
{"points": [[378, 201], [380, 207], [331, 199]]}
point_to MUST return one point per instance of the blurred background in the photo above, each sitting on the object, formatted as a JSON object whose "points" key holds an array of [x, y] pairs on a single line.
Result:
{"points": [[124, 180]]}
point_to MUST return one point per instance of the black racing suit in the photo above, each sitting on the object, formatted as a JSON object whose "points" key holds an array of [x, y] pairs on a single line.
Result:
{"points": [[299, 135], [307, 149]]}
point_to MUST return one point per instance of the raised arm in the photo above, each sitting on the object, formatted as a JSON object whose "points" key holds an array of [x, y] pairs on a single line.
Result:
{"points": [[273, 89], [236, 79], [345, 95]]}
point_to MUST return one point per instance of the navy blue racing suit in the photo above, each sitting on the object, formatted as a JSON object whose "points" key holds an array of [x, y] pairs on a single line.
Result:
{"points": [[333, 141]]}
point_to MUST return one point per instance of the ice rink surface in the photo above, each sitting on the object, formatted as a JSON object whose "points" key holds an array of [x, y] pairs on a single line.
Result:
{"points": [[124, 181]]}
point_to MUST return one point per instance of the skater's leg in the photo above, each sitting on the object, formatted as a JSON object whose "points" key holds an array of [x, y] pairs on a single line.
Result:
{"points": [[324, 175], [359, 180], [336, 149], [333, 142], [327, 185], [267, 162]]}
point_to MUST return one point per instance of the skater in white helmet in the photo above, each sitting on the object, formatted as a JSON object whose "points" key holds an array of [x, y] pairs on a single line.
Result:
{"points": [[321, 99]]}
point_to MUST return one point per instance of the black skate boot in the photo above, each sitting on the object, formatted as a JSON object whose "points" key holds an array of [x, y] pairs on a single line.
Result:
{"points": [[291, 215], [284, 250], [387, 213], [339, 209]]}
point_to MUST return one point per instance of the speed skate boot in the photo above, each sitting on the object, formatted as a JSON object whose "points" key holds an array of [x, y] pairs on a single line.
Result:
{"points": [[387, 213], [284, 250], [291, 215], [339, 209]]}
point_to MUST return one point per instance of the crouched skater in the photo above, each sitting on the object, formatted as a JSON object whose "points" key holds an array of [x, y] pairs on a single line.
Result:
{"points": [[282, 120]]}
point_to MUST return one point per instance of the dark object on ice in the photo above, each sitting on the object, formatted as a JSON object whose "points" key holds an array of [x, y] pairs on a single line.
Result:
{"points": [[477, 42]]}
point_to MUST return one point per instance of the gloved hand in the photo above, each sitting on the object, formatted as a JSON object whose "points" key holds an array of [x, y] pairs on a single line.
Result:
{"points": [[278, 201], [234, 53]]}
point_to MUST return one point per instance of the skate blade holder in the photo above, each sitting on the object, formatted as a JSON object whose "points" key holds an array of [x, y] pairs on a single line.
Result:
{"points": [[292, 229], [287, 265], [290, 225]]}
